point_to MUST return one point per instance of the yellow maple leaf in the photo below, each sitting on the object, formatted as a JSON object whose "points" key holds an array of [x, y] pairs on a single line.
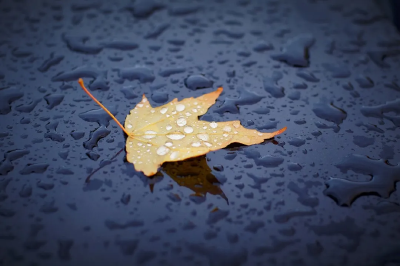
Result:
{"points": [[172, 132]]}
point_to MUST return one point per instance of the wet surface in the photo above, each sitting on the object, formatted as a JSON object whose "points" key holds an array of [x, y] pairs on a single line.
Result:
{"points": [[325, 192]]}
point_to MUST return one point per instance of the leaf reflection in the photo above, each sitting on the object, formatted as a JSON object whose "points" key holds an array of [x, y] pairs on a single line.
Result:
{"points": [[195, 174]]}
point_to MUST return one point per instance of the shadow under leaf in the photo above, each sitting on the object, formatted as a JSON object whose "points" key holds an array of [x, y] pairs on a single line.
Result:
{"points": [[195, 174]]}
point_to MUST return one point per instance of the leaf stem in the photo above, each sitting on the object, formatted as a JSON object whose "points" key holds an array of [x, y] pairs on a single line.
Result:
{"points": [[80, 81]]}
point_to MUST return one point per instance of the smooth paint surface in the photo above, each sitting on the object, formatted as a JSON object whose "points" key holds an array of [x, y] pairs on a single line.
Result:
{"points": [[325, 192]]}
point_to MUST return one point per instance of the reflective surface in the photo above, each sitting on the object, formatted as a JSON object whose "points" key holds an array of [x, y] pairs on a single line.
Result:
{"points": [[322, 193]]}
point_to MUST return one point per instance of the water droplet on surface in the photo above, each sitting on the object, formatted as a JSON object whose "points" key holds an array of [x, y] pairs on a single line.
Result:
{"points": [[297, 142], [203, 136], [125, 198], [168, 144], [180, 107], [159, 97], [181, 121], [213, 125], [26, 191], [176, 136], [270, 85], [296, 51], [168, 127], [174, 197], [149, 134], [99, 116], [162, 150], [188, 130], [227, 129], [382, 181], [172, 70], [174, 155], [195, 82], [141, 73], [363, 141], [207, 144], [365, 82], [164, 110], [216, 215], [196, 144], [326, 110]]}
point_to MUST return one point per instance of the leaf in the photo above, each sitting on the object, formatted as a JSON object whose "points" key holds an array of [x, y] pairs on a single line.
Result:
{"points": [[172, 132]]}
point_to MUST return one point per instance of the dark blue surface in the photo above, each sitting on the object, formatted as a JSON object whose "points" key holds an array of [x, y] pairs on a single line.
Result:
{"points": [[324, 192], [395, 4]]}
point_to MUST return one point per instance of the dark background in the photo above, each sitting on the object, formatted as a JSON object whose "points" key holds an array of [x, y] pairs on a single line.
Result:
{"points": [[322, 193]]}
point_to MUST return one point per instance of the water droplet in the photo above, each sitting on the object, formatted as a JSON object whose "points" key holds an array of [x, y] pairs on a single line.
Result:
{"points": [[225, 135], [176, 136], [129, 126], [196, 144], [363, 141], [270, 85], [181, 121], [188, 130], [164, 110], [302, 43], [149, 134], [180, 107], [194, 110], [168, 127], [297, 142], [227, 128], [213, 125], [168, 144], [139, 105], [171, 71], [326, 110], [162, 150], [174, 155], [188, 114], [194, 82], [203, 136], [208, 144]]}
